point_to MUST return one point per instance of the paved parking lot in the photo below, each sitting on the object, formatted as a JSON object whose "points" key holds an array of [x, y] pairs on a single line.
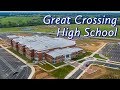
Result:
{"points": [[112, 51], [11, 67]]}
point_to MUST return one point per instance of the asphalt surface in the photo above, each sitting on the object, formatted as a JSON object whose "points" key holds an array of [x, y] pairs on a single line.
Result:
{"points": [[112, 50], [11, 67], [87, 63], [76, 74]]}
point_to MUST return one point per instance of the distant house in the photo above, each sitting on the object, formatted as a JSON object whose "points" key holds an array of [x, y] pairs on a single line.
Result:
{"points": [[39, 48]]}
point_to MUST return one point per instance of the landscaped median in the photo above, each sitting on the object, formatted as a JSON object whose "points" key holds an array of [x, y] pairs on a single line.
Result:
{"points": [[98, 56]]}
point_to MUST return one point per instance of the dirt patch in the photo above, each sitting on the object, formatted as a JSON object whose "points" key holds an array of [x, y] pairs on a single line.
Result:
{"points": [[101, 72], [90, 44], [4, 43], [40, 74], [24, 34], [94, 72]]}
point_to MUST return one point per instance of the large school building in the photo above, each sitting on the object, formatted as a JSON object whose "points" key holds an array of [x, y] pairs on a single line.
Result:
{"points": [[39, 48]]}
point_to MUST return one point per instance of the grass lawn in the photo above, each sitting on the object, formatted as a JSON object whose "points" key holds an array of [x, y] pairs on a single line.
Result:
{"points": [[62, 72], [20, 55], [39, 28], [46, 66], [82, 55], [97, 56], [53, 28], [59, 64]]}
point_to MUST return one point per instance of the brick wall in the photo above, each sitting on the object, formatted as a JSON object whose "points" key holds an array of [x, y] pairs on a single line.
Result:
{"points": [[11, 43], [48, 58], [15, 46], [51, 59], [21, 49], [40, 56], [60, 59], [29, 53]]}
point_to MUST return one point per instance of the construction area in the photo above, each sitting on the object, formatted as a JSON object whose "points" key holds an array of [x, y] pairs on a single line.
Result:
{"points": [[91, 44], [41, 74], [101, 72]]}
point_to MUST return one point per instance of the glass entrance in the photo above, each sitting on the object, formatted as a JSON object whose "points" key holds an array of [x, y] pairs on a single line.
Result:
{"points": [[67, 57]]}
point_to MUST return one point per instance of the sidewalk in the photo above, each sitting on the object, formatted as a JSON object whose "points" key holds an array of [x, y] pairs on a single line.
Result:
{"points": [[71, 73]]}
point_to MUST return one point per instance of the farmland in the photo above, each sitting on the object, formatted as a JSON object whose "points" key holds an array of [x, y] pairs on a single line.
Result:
{"points": [[53, 28], [19, 21]]}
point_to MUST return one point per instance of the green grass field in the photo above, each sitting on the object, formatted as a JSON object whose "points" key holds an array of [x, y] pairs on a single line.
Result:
{"points": [[62, 72], [97, 56], [46, 66], [40, 28], [52, 28], [59, 64], [14, 21]]}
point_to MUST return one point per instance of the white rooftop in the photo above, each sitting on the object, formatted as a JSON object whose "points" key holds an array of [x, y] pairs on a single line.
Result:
{"points": [[41, 43], [65, 51], [12, 36], [118, 42]]}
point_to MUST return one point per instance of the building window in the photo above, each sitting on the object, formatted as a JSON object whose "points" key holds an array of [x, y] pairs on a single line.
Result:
{"points": [[43, 56], [54, 61], [36, 56], [67, 56]]}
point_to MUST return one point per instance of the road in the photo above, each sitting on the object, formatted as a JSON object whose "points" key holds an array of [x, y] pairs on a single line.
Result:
{"points": [[78, 73]]}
